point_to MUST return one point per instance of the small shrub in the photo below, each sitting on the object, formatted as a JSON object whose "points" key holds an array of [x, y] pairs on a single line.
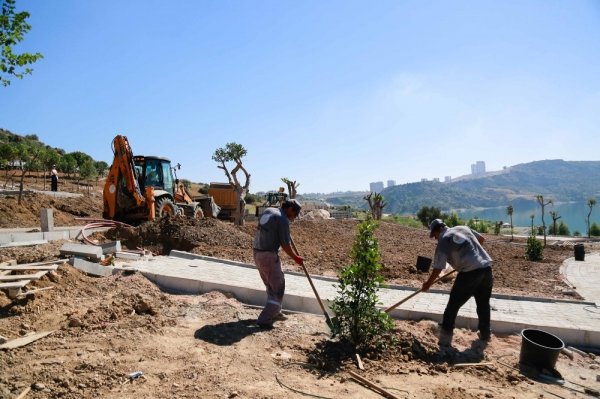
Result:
{"points": [[576, 233], [534, 250], [563, 229], [357, 319], [453, 220], [595, 230]]}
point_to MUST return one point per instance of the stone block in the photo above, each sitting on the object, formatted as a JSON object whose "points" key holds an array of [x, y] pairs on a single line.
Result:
{"points": [[111, 248], [94, 269], [47, 219], [82, 251]]}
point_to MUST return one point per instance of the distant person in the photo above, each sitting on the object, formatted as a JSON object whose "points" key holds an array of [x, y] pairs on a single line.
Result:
{"points": [[461, 248], [54, 179], [273, 232]]}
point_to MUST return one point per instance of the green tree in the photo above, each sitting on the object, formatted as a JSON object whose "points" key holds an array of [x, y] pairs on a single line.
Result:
{"points": [[87, 172], [509, 211], [591, 202], [563, 229], [534, 250], [13, 27], [101, 168], [234, 152], [595, 230], [427, 214], [540, 200], [358, 321], [50, 157]]}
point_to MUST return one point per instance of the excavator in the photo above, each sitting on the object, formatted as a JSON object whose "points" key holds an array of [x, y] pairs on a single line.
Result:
{"points": [[142, 188]]}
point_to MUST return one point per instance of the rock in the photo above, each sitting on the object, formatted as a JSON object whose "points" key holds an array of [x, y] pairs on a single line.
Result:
{"points": [[75, 322], [3, 339], [53, 276], [38, 386], [233, 394]]}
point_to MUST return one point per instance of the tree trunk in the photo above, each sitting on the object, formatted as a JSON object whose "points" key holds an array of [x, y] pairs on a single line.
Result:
{"points": [[21, 187]]}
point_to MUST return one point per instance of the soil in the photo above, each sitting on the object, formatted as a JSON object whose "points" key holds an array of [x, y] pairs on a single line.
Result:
{"points": [[207, 345]]}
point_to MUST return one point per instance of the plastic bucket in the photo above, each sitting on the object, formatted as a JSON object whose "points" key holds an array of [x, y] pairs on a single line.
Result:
{"points": [[540, 349], [579, 252], [423, 264]]}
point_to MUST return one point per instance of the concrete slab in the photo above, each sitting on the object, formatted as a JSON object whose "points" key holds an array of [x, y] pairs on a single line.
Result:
{"points": [[56, 235], [111, 248], [27, 236], [128, 255], [47, 219], [94, 269], [82, 251], [23, 243]]}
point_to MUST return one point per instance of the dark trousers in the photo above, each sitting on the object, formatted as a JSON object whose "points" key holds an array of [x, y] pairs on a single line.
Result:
{"points": [[54, 184], [477, 283]]}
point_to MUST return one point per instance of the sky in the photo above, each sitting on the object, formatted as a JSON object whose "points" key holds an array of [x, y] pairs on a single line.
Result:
{"points": [[332, 94]]}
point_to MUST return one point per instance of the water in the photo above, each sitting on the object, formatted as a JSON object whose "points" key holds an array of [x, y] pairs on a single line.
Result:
{"points": [[572, 213]]}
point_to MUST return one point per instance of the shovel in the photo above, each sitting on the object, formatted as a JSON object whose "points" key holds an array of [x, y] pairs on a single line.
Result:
{"points": [[327, 318], [388, 310]]}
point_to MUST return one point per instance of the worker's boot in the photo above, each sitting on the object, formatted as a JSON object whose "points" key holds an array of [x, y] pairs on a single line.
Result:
{"points": [[445, 338]]}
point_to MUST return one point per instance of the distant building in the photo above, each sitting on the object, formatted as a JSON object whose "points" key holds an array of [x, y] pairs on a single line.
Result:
{"points": [[436, 179], [423, 180], [447, 179], [391, 183], [478, 168], [376, 187]]}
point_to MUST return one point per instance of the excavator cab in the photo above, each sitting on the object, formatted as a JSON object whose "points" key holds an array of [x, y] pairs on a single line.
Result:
{"points": [[154, 172]]}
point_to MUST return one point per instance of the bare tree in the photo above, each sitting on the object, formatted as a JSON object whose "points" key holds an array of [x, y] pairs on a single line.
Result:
{"points": [[292, 186], [234, 152], [509, 212], [555, 217], [376, 204], [591, 202], [540, 200]]}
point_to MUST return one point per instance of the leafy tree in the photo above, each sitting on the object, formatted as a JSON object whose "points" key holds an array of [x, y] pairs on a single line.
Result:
{"points": [[358, 321], [68, 164], [534, 250], [234, 152], [101, 167], [49, 157], [453, 220], [576, 233], [563, 229], [292, 186], [595, 230], [427, 214], [13, 27], [252, 198], [88, 171], [540, 200], [591, 202], [376, 204], [28, 154], [509, 211]]}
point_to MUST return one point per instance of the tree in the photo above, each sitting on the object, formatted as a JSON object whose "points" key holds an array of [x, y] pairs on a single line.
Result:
{"points": [[13, 27], [292, 186], [591, 202], [357, 320], [234, 152], [531, 217], [540, 200], [555, 217], [376, 204], [427, 214], [88, 171], [49, 158], [509, 211], [28, 154]]}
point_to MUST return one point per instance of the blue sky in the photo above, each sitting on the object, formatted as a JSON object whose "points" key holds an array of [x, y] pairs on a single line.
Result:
{"points": [[332, 94]]}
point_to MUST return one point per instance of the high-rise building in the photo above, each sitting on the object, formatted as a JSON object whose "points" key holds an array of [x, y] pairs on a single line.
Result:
{"points": [[376, 187], [447, 179], [478, 168], [391, 183]]}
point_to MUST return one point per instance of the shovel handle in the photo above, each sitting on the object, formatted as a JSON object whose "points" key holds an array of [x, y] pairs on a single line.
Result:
{"points": [[394, 306]]}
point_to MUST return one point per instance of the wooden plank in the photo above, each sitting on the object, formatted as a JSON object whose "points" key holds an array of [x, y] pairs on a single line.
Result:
{"points": [[26, 340], [35, 291], [15, 284], [25, 267], [24, 393], [17, 277]]}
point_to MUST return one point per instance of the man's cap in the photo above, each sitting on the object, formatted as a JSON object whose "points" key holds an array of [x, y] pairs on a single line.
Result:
{"points": [[294, 204], [434, 225]]}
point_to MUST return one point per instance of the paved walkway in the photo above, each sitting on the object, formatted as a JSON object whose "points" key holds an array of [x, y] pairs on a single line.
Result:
{"points": [[575, 322]]}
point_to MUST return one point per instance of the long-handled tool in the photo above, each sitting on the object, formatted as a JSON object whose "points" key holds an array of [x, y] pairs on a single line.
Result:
{"points": [[327, 318], [394, 306]]}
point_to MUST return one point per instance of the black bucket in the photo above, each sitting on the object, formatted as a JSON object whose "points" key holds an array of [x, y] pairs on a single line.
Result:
{"points": [[423, 264], [579, 252], [540, 349]]}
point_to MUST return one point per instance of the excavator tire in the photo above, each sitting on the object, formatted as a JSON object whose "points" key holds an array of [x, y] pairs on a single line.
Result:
{"points": [[198, 214], [164, 206]]}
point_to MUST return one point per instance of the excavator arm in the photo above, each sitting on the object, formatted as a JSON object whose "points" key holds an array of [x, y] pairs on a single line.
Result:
{"points": [[124, 167]]}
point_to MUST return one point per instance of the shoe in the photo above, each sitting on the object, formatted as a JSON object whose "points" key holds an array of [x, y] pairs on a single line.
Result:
{"points": [[445, 338], [484, 337], [280, 317], [265, 326]]}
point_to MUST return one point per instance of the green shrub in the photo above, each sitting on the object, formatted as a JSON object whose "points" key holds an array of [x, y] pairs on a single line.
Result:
{"points": [[357, 319], [576, 233], [594, 230], [534, 250], [453, 220], [427, 214], [563, 229]]}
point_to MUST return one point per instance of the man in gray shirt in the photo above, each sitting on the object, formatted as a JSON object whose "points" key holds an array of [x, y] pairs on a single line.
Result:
{"points": [[273, 232], [461, 248]]}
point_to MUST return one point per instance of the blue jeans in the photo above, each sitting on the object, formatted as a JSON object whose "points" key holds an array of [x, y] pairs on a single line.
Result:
{"points": [[477, 283]]}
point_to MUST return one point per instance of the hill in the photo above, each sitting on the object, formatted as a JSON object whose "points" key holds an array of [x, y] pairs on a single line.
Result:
{"points": [[560, 180]]}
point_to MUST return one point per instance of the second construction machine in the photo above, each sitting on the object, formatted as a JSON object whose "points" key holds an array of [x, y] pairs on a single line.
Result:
{"points": [[140, 188]]}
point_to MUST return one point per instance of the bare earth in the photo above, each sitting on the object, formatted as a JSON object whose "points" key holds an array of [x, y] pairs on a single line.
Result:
{"points": [[207, 347]]}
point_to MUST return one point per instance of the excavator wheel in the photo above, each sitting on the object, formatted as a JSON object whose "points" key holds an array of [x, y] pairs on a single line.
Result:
{"points": [[198, 214], [164, 206]]}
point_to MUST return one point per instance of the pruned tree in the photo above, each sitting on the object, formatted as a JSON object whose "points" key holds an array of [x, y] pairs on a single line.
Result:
{"points": [[532, 230], [292, 186], [591, 202], [13, 27], [540, 200], [28, 155], [509, 211], [234, 152], [376, 204], [554, 215]]}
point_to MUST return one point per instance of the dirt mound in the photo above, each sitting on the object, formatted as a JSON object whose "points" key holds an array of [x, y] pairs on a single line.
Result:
{"points": [[66, 210]]}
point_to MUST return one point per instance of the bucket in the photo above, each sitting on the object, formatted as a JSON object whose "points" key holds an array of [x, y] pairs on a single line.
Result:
{"points": [[423, 264], [540, 349], [579, 252]]}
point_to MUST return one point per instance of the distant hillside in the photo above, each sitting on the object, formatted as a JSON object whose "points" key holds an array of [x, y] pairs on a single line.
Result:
{"points": [[559, 180]]}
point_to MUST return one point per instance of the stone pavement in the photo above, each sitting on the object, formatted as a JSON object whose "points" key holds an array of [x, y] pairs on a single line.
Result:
{"points": [[575, 322]]}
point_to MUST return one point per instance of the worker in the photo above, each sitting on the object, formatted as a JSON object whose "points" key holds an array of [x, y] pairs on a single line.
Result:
{"points": [[54, 179], [461, 248], [273, 232]]}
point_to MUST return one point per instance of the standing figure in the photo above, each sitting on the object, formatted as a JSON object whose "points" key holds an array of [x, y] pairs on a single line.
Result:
{"points": [[461, 248], [273, 232], [54, 179]]}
